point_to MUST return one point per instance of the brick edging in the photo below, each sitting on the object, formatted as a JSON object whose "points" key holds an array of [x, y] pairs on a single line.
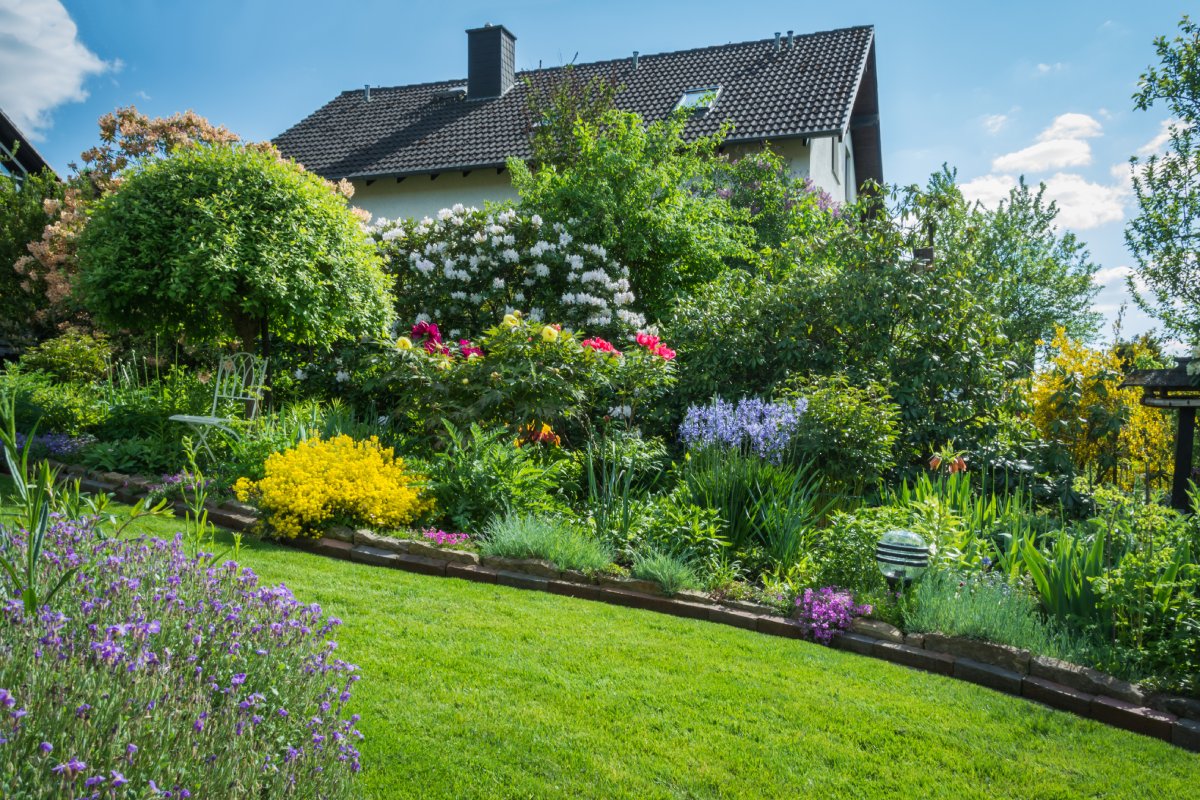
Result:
{"points": [[1060, 685]]}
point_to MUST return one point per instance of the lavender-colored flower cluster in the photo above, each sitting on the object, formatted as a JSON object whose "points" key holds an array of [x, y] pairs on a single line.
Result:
{"points": [[755, 425], [158, 675], [57, 445], [825, 201], [824, 612]]}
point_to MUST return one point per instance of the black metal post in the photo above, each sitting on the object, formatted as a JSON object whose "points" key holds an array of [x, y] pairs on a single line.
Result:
{"points": [[1185, 436]]}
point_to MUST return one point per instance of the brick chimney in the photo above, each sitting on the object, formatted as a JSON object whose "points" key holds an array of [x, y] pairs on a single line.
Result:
{"points": [[491, 61]]}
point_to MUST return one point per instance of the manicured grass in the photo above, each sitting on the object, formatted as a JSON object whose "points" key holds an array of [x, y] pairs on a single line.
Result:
{"points": [[472, 690]]}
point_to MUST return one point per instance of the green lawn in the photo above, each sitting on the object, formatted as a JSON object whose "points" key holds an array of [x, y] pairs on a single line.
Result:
{"points": [[472, 690]]}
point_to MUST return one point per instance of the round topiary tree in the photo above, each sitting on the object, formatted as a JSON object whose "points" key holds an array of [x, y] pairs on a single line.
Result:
{"points": [[217, 240]]}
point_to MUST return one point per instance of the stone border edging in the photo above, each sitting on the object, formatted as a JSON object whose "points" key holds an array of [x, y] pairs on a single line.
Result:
{"points": [[1061, 685]]}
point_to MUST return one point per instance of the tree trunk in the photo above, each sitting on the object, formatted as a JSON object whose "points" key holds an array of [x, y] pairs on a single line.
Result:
{"points": [[246, 328]]}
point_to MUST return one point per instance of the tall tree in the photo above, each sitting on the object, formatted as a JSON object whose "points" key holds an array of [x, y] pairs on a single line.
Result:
{"points": [[559, 99], [1165, 235], [633, 191], [1040, 276], [1032, 276], [23, 215]]}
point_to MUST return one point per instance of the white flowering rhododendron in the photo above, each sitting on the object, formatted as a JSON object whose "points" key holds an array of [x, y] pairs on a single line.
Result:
{"points": [[468, 268]]}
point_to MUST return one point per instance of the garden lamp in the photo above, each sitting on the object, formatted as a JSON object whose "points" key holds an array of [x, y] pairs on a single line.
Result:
{"points": [[902, 557]]}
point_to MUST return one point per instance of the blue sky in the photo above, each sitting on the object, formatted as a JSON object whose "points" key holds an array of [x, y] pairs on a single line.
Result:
{"points": [[997, 90]]}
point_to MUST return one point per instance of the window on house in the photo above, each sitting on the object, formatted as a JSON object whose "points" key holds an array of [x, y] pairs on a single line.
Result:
{"points": [[702, 99]]}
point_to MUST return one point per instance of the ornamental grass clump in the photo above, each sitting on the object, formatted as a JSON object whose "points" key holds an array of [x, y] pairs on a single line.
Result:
{"points": [[154, 674], [321, 482], [554, 540]]}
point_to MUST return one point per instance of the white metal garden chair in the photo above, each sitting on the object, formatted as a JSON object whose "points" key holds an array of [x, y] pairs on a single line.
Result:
{"points": [[239, 380]]}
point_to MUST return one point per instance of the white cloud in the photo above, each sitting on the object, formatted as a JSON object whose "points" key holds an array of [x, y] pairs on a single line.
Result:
{"points": [[994, 123], [1083, 204], [42, 62], [1071, 126], [1112, 275], [1046, 69], [1045, 155], [1155, 146], [1060, 145], [988, 189]]}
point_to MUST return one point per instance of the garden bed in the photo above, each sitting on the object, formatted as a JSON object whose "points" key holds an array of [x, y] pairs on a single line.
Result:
{"points": [[1059, 684]]}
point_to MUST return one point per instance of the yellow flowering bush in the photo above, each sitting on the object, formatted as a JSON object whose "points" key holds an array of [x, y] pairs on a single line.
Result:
{"points": [[321, 482], [1106, 431]]}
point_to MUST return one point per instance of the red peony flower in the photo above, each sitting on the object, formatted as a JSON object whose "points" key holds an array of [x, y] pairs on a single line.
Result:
{"points": [[647, 341], [600, 346]]}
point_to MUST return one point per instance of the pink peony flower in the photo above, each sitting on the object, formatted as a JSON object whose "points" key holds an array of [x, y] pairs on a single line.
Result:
{"points": [[429, 330]]}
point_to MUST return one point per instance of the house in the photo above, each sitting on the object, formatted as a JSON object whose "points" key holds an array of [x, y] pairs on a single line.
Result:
{"points": [[411, 150], [18, 158]]}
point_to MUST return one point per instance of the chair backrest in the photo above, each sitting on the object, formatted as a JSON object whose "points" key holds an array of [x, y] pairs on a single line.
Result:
{"points": [[240, 377]]}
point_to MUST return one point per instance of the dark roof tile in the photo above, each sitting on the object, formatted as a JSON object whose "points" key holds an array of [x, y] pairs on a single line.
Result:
{"points": [[805, 90]]}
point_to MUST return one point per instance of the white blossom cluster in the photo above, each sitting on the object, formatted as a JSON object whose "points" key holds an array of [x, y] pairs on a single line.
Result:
{"points": [[467, 268]]}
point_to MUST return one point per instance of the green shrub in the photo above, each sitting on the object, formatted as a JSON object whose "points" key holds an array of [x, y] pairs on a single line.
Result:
{"points": [[671, 572], [73, 356], [848, 432], [555, 540], [137, 456], [482, 473], [844, 552], [528, 374], [672, 524], [220, 241], [66, 408], [984, 606], [768, 511]]}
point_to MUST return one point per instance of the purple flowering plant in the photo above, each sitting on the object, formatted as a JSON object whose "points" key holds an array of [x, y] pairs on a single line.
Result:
{"points": [[155, 673], [752, 425], [444, 539], [824, 612], [61, 446]]}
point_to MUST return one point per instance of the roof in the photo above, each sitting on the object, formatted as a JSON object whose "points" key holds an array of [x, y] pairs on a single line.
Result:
{"points": [[820, 86], [28, 159]]}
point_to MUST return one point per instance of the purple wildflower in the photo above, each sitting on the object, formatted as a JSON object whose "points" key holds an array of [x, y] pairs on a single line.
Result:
{"points": [[70, 768]]}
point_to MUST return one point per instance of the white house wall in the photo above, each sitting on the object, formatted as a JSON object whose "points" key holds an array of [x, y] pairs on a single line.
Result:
{"points": [[417, 196], [838, 180]]}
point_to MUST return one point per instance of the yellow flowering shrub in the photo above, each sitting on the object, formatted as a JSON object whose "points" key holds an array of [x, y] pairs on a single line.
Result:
{"points": [[321, 482], [1106, 430]]}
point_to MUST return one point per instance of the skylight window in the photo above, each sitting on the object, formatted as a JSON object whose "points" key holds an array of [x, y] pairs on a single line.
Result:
{"points": [[702, 99]]}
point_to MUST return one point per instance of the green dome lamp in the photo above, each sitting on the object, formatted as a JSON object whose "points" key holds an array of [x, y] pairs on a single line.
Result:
{"points": [[903, 556]]}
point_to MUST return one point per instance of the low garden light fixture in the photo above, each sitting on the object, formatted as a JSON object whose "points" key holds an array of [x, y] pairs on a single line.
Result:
{"points": [[902, 557]]}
